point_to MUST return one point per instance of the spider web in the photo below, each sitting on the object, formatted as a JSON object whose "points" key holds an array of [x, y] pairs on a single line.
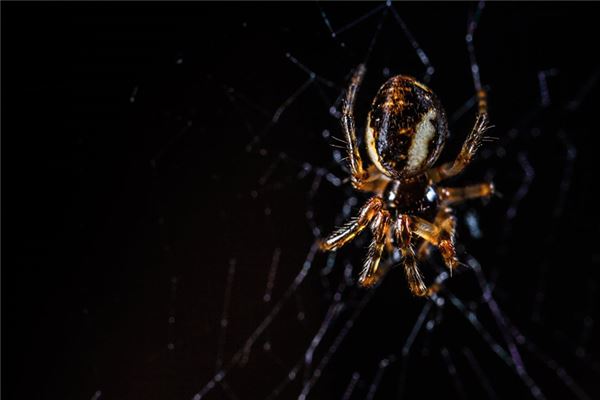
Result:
{"points": [[501, 325], [251, 308]]}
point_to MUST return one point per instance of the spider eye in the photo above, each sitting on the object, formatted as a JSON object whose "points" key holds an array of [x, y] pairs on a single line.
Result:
{"points": [[431, 194]]}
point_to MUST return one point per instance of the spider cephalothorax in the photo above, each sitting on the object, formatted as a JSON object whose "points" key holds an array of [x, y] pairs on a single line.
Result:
{"points": [[406, 131]]}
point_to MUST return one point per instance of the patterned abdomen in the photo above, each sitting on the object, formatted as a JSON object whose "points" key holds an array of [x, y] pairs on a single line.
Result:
{"points": [[406, 128]]}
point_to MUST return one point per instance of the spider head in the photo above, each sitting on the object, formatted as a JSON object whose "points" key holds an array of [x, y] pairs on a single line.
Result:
{"points": [[406, 128]]}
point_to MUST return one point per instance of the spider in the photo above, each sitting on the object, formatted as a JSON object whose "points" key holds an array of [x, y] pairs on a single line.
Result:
{"points": [[406, 131]]}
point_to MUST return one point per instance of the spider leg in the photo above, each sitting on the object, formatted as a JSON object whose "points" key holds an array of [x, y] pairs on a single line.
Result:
{"points": [[423, 251], [403, 231], [446, 221], [369, 275], [456, 195], [470, 146], [389, 241], [482, 101], [439, 234], [352, 228], [359, 175]]}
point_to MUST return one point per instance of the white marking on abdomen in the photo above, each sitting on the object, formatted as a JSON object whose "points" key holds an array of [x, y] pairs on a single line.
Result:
{"points": [[372, 147], [419, 148]]}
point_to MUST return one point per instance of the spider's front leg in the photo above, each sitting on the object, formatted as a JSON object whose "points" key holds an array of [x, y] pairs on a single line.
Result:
{"points": [[469, 148], [352, 228], [360, 176]]}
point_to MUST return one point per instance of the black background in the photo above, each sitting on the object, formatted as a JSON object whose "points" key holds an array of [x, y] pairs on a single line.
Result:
{"points": [[110, 204]]}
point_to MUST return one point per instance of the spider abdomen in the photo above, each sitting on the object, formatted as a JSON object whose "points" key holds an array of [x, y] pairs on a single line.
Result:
{"points": [[406, 128]]}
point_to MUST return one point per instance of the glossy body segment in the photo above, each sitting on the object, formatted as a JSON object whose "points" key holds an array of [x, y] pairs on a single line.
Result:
{"points": [[415, 196], [406, 128]]}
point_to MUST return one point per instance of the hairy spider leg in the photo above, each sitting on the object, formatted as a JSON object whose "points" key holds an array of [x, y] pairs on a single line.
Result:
{"points": [[469, 147], [369, 275], [449, 195], [440, 234], [353, 227], [403, 232], [446, 221], [389, 241], [359, 175]]}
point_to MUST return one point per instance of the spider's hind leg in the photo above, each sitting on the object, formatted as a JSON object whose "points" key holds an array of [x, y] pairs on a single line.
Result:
{"points": [[444, 220], [370, 273], [352, 228], [440, 234], [403, 232]]}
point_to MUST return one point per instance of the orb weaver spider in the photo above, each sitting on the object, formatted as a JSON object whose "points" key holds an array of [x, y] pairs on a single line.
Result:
{"points": [[406, 131]]}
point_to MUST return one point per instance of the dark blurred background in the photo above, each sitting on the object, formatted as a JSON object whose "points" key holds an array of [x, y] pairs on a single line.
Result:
{"points": [[128, 189]]}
